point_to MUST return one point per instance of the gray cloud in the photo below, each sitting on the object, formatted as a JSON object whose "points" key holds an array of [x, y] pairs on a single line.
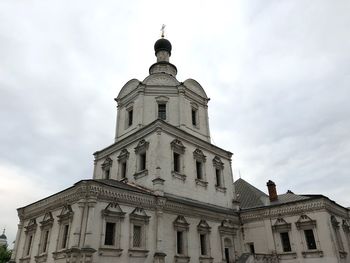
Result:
{"points": [[277, 74]]}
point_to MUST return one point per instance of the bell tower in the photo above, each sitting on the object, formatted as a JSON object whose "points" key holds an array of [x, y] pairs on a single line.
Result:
{"points": [[161, 96]]}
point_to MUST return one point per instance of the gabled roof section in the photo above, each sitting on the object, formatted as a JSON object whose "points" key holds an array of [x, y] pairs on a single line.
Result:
{"points": [[195, 87], [248, 195], [128, 88], [251, 197]]}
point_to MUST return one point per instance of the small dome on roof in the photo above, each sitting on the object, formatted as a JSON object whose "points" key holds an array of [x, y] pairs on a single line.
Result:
{"points": [[162, 44], [3, 236]]}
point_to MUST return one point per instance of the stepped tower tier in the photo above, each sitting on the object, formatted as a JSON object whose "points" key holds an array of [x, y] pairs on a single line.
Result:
{"points": [[161, 96], [162, 140]]}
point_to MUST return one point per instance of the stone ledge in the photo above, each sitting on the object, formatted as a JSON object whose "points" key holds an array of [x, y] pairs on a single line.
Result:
{"points": [[201, 183], [178, 175], [140, 174], [287, 255], [182, 259], [220, 189], [138, 253], [41, 258], [110, 251], [312, 254]]}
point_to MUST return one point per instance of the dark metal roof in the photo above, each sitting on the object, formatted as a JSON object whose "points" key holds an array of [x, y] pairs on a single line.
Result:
{"points": [[162, 44], [251, 197]]}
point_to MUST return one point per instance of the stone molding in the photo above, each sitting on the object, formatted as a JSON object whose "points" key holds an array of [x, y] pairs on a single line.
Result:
{"points": [[199, 155], [141, 146], [124, 155], [218, 163], [305, 222], [170, 130], [203, 227], [32, 225], [107, 163], [181, 224], [101, 192], [281, 225], [292, 209], [177, 146]]}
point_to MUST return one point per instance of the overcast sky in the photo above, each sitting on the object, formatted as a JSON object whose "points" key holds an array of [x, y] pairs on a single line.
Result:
{"points": [[277, 73]]}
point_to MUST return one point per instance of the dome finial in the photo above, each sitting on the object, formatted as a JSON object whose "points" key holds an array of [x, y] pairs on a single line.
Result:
{"points": [[162, 30]]}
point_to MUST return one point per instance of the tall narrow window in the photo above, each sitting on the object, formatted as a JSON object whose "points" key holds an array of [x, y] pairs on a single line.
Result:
{"points": [[178, 150], [218, 177], [176, 157], [141, 156], [110, 234], [30, 240], [194, 117], [285, 242], [122, 164], [199, 171], [142, 161], [137, 236], [227, 255], [65, 236], [162, 111], [181, 231], [123, 170], [106, 168], [179, 242], [130, 116], [203, 241], [46, 240], [204, 230], [310, 238], [112, 217], [107, 173], [252, 248], [139, 221]]}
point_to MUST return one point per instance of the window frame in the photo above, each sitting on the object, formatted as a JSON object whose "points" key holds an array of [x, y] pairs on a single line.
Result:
{"points": [[115, 215], [218, 167], [178, 148], [199, 162], [141, 153], [181, 225], [194, 115], [107, 167], [306, 223], [204, 229], [129, 108], [123, 158], [162, 100], [44, 243], [138, 218]]}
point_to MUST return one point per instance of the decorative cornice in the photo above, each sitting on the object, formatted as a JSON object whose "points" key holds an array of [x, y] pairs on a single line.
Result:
{"points": [[141, 146], [292, 209], [176, 145], [124, 155], [167, 128], [199, 155]]}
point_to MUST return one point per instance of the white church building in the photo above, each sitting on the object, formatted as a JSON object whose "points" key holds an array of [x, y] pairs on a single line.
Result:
{"points": [[162, 192]]}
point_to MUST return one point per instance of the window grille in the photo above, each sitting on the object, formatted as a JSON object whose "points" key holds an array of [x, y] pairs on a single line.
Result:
{"points": [[137, 236], [162, 111]]}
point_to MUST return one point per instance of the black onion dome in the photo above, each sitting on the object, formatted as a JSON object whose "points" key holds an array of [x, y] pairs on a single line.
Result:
{"points": [[162, 45]]}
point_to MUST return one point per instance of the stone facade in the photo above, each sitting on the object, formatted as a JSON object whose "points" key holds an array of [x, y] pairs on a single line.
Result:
{"points": [[163, 193]]}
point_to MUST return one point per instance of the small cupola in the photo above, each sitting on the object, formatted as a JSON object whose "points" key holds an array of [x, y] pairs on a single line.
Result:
{"points": [[162, 49]]}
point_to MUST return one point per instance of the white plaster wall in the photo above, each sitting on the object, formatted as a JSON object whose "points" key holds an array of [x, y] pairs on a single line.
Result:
{"points": [[159, 154]]}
